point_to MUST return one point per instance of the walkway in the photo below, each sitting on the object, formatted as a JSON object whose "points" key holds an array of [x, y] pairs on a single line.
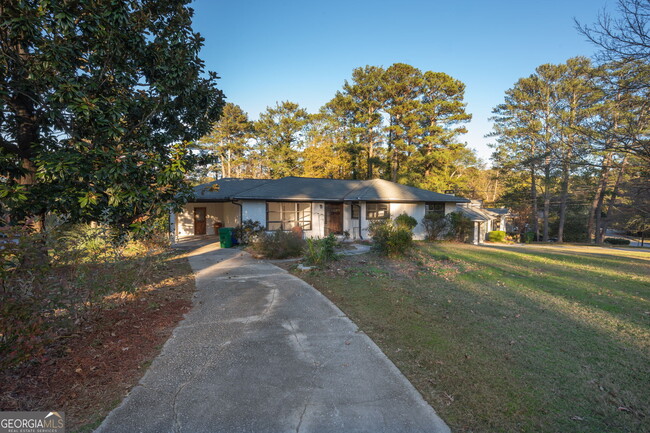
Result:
{"points": [[262, 351]]}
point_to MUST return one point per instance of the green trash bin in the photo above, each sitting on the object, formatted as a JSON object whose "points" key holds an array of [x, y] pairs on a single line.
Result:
{"points": [[225, 237]]}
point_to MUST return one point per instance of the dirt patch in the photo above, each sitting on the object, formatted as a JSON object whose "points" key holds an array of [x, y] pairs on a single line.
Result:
{"points": [[88, 373], [417, 264]]}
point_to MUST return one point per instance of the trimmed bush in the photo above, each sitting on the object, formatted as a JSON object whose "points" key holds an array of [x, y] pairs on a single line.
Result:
{"points": [[460, 227], [248, 232], [436, 225], [320, 251], [406, 221], [617, 241], [390, 239], [497, 236], [278, 245]]}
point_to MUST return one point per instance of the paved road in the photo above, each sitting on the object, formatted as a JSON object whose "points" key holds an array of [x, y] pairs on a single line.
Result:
{"points": [[262, 351]]}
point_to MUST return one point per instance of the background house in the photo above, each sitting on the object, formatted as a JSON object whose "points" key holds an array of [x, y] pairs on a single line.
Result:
{"points": [[319, 206], [485, 220]]}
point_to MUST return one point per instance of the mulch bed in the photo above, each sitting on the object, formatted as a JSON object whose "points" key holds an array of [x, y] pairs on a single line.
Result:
{"points": [[90, 372]]}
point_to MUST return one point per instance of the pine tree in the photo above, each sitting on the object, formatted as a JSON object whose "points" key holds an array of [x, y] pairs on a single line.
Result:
{"points": [[280, 134]]}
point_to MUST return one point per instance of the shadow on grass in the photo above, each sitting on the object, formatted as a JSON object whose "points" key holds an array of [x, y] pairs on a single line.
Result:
{"points": [[608, 289], [607, 256], [491, 357]]}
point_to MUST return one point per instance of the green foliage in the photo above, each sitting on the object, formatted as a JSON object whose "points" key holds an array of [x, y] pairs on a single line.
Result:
{"points": [[406, 221], [279, 131], [320, 251], [99, 100], [397, 123], [279, 245], [460, 227], [497, 236], [617, 241], [41, 299], [249, 231], [401, 123], [389, 238], [575, 226], [528, 237], [226, 145], [436, 225]]}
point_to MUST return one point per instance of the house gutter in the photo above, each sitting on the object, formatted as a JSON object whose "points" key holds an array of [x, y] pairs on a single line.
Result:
{"points": [[241, 212]]}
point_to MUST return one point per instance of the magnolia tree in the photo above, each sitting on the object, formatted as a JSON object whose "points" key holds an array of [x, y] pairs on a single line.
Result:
{"points": [[99, 101]]}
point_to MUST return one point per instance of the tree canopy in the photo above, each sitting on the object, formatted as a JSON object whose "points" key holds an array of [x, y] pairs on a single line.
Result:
{"points": [[98, 102]]}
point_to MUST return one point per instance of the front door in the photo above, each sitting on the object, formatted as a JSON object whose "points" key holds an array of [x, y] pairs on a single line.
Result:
{"points": [[199, 220], [333, 218]]}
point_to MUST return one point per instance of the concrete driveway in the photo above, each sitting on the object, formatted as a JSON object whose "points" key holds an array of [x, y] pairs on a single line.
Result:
{"points": [[263, 351]]}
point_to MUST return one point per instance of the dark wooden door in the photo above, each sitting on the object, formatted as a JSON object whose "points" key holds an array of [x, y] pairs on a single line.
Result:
{"points": [[199, 220], [333, 218]]}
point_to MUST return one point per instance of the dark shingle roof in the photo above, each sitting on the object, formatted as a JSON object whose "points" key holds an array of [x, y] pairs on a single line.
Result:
{"points": [[384, 190], [499, 210], [225, 189], [476, 214], [306, 188], [302, 188]]}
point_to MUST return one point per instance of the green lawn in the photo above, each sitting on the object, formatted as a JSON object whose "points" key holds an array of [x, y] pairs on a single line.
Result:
{"points": [[534, 338]]}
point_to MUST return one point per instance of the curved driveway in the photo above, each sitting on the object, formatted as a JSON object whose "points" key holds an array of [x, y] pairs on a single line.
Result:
{"points": [[263, 351]]}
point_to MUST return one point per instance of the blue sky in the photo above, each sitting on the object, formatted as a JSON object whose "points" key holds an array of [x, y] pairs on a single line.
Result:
{"points": [[302, 51]]}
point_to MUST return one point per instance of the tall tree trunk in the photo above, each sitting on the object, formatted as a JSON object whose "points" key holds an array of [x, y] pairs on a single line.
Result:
{"points": [[597, 202], [371, 155], [564, 194], [389, 153], [27, 139], [602, 229], [533, 196], [547, 198], [547, 166], [229, 162]]}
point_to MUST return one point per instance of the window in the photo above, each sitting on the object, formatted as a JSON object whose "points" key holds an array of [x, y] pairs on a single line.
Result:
{"points": [[438, 208], [287, 215], [356, 211], [376, 211]]}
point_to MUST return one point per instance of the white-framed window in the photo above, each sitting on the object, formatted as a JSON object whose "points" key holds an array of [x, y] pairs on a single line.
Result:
{"points": [[355, 210], [377, 211], [438, 208], [287, 215]]}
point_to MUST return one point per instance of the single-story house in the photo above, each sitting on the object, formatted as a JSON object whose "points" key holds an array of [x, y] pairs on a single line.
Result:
{"points": [[485, 220], [318, 206]]}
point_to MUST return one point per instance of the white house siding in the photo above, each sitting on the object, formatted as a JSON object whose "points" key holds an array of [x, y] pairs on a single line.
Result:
{"points": [[450, 207], [224, 212], [229, 215], [416, 210], [317, 220]]}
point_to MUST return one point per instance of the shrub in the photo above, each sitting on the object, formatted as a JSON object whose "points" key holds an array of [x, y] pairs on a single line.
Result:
{"points": [[497, 236], [320, 251], [278, 245], [575, 226], [389, 238], [248, 232], [617, 241], [435, 224], [55, 281], [460, 227], [528, 237], [406, 221]]}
